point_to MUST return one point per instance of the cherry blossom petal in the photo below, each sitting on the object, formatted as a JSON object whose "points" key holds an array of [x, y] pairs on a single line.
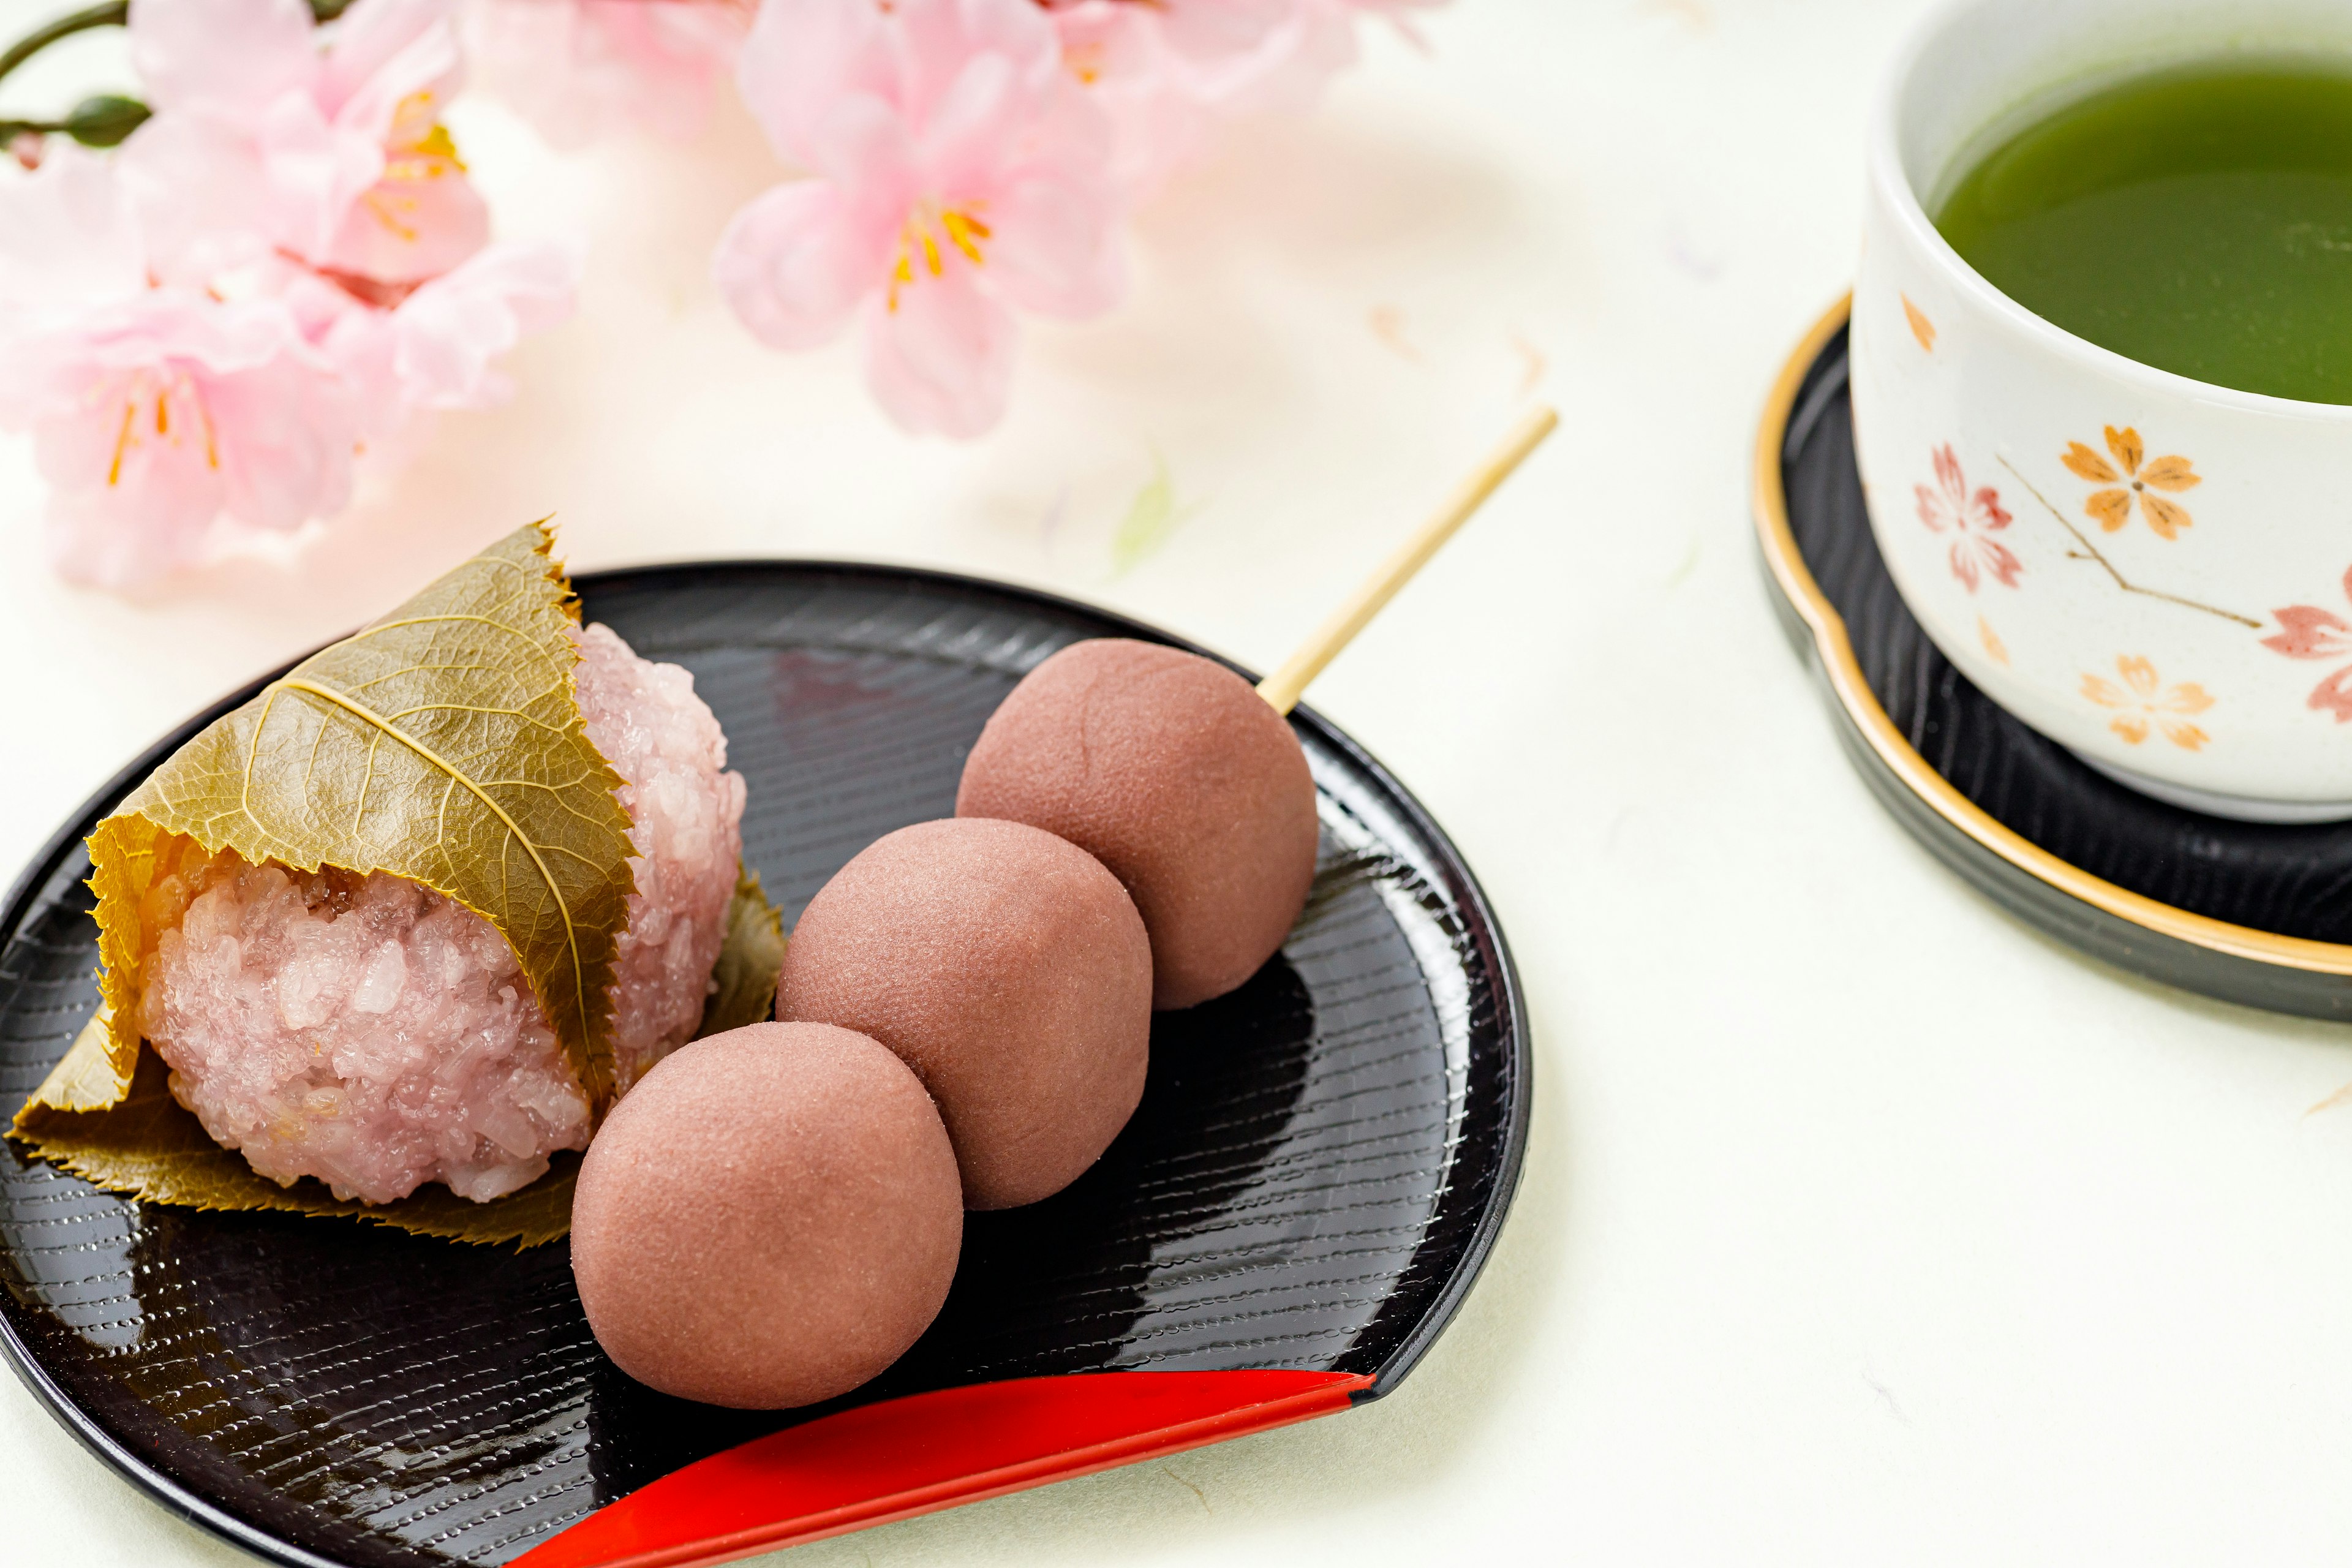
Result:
{"points": [[1933, 509], [794, 263], [966, 134], [938, 41], [1156, 124], [204, 199], [2334, 695], [2088, 465], [941, 362], [223, 57], [1055, 248], [2002, 562], [286, 438], [2132, 727], [1986, 509], [387, 54], [157, 415], [416, 224], [2310, 633], [2187, 697], [1964, 565], [2168, 518], [802, 57], [120, 535], [2171, 474], [2187, 737], [448, 332], [2138, 674], [862, 145], [1948, 475], [314, 172], [1218, 30], [2111, 508], [577, 69], [2127, 447], [68, 237]]}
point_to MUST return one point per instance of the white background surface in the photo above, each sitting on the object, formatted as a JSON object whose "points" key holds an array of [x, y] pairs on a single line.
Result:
{"points": [[1860, 1224]]}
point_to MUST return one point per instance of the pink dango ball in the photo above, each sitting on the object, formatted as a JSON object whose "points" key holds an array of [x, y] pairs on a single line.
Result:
{"points": [[769, 1220], [1010, 972], [1176, 774]]}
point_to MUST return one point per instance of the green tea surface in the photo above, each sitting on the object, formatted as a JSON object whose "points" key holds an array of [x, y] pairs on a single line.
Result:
{"points": [[2197, 219]]}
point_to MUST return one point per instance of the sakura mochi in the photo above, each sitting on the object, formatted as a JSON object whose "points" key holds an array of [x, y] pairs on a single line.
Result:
{"points": [[1174, 774], [770, 1219], [378, 1036], [1010, 971]]}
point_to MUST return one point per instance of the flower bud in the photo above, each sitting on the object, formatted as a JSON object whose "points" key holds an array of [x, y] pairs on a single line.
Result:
{"points": [[104, 120]]}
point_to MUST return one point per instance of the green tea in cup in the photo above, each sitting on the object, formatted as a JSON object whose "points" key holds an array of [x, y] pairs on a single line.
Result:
{"points": [[2198, 219]]}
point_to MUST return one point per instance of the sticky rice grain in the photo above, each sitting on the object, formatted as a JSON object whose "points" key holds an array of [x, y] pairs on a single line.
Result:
{"points": [[377, 1036]]}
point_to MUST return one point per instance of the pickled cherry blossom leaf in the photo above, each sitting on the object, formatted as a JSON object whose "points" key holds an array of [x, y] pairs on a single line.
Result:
{"points": [[126, 1134], [442, 744], [146, 1144], [750, 960]]}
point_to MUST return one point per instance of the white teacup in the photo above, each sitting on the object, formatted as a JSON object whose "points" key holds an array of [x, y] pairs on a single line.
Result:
{"points": [[2200, 650]]}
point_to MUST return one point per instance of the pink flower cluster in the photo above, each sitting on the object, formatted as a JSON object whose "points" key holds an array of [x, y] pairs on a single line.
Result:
{"points": [[283, 266], [970, 161]]}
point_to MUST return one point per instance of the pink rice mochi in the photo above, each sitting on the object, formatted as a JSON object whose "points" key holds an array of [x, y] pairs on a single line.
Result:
{"points": [[376, 1034]]}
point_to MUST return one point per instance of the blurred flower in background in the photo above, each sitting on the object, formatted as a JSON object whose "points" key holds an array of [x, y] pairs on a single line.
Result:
{"points": [[155, 407], [961, 175], [219, 295], [281, 267], [579, 68], [971, 159]]}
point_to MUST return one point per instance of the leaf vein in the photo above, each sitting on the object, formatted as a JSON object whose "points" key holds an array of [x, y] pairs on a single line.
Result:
{"points": [[365, 715]]}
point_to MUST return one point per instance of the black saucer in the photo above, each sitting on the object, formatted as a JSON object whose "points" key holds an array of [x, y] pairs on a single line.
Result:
{"points": [[2256, 914]]}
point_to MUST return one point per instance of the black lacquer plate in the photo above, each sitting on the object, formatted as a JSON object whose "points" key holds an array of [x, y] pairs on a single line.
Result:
{"points": [[2249, 913], [1320, 1165]]}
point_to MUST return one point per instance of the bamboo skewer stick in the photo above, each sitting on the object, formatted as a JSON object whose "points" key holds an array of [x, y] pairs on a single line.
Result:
{"points": [[1285, 686]]}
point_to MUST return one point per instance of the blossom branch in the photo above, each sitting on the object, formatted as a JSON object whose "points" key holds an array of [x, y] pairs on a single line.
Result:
{"points": [[2089, 552], [110, 13], [113, 14]]}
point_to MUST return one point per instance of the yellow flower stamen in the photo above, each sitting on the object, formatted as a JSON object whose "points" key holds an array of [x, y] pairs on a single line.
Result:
{"points": [[965, 231], [381, 206], [122, 441]]}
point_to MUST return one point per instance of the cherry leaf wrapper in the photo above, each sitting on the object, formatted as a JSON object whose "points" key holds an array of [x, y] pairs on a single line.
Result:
{"points": [[444, 744], [135, 1138]]}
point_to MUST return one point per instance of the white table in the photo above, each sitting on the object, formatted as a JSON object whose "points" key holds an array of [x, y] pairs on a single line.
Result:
{"points": [[1860, 1223]]}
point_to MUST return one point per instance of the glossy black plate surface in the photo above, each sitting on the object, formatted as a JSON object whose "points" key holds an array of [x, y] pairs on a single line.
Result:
{"points": [[1320, 1165], [2242, 911]]}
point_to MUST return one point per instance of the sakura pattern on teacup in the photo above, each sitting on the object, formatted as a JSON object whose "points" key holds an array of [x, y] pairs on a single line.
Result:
{"points": [[2129, 485]]}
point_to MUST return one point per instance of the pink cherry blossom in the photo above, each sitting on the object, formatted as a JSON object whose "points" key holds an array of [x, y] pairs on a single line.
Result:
{"points": [[155, 410], [1166, 71], [2309, 632], [578, 68], [960, 175], [435, 349], [1972, 519], [1118, 51], [272, 134]]}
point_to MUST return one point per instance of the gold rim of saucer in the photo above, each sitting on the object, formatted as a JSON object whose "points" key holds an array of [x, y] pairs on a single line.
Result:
{"points": [[1834, 651]]}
